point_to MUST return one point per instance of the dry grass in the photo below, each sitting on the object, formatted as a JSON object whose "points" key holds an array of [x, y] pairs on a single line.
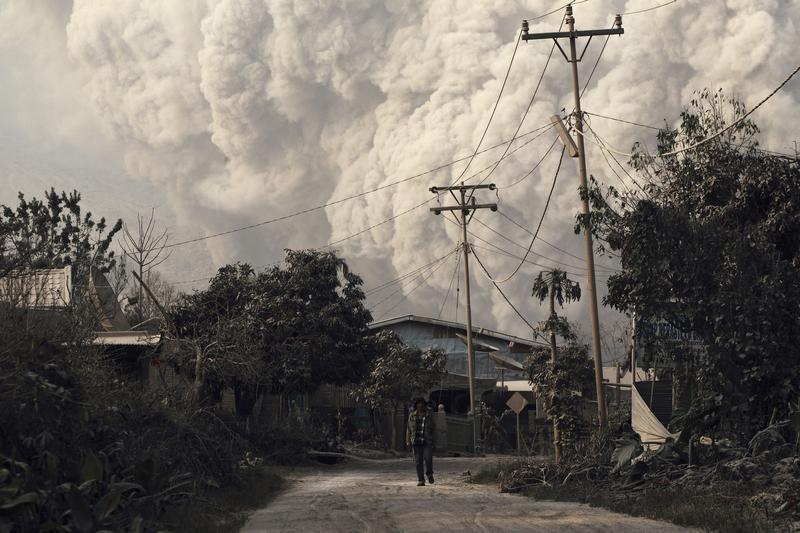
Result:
{"points": [[225, 510], [725, 509]]}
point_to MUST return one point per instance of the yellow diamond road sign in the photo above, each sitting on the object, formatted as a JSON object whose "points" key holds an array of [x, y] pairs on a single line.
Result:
{"points": [[517, 403]]}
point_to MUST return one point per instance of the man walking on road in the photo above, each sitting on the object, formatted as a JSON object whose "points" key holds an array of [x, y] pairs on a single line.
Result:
{"points": [[420, 435]]}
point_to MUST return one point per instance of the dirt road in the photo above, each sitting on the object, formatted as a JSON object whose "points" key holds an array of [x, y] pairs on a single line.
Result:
{"points": [[383, 497]]}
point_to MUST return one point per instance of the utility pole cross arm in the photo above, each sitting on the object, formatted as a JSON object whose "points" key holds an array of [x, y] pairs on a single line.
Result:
{"points": [[462, 187], [467, 208], [567, 34]]}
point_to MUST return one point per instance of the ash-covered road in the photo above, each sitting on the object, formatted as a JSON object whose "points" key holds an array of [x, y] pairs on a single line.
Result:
{"points": [[383, 497]]}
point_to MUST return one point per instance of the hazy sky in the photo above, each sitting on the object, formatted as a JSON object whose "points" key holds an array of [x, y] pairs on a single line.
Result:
{"points": [[223, 113]]}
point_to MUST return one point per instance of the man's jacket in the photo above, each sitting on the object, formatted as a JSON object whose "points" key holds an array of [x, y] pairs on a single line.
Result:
{"points": [[427, 431]]}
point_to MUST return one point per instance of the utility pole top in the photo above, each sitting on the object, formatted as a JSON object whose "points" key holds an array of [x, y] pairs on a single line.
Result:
{"points": [[462, 187], [570, 20]]}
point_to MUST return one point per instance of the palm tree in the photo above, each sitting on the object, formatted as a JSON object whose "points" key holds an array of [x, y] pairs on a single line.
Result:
{"points": [[557, 287]]}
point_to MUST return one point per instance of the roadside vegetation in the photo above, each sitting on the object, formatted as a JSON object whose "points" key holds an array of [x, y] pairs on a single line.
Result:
{"points": [[87, 444], [709, 244]]}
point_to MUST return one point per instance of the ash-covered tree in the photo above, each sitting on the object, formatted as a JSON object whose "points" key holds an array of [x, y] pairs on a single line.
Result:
{"points": [[216, 336], [714, 249], [281, 331], [398, 373], [55, 232], [311, 322], [561, 376]]}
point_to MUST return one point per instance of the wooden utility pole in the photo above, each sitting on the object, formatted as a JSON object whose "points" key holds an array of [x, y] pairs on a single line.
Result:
{"points": [[573, 59], [467, 207]]}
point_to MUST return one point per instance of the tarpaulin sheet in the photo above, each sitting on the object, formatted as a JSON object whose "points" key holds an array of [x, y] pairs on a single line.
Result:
{"points": [[645, 423]]}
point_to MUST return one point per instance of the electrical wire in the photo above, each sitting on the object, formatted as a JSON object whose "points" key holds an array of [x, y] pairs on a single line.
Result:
{"points": [[493, 248], [556, 10], [639, 124], [384, 285], [449, 287], [551, 245], [541, 220], [542, 130], [714, 135], [531, 171], [622, 120], [494, 109], [653, 8], [432, 269], [527, 109], [496, 286], [523, 247], [358, 195], [409, 293], [506, 252], [605, 153]]}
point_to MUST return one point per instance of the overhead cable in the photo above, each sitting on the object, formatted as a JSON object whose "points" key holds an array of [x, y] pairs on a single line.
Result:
{"points": [[407, 294], [534, 330], [358, 195], [431, 269], [645, 10], [714, 135], [527, 109], [449, 287], [494, 109], [551, 245], [541, 220]]}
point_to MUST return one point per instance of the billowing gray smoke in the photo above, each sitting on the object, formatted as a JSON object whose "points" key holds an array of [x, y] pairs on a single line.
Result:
{"points": [[242, 110]]}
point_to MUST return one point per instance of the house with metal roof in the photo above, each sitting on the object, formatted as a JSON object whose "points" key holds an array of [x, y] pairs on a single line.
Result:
{"points": [[499, 359], [49, 292]]}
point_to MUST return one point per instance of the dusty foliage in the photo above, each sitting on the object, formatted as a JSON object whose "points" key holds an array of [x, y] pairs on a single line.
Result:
{"points": [[761, 479]]}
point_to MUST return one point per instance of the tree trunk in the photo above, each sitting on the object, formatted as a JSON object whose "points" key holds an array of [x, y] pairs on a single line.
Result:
{"points": [[198, 373], [553, 354], [393, 427]]}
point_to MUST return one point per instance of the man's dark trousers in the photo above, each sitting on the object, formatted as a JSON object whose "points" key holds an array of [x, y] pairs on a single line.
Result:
{"points": [[424, 452]]}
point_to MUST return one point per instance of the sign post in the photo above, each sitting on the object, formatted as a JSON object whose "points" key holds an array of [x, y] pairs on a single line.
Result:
{"points": [[517, 403]]}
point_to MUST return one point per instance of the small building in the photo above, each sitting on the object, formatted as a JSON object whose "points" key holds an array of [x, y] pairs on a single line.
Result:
{"points": [[497, 376], [49, 292]]}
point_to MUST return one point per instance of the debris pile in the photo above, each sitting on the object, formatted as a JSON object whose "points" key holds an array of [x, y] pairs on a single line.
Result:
{"points": [[765, 474]]}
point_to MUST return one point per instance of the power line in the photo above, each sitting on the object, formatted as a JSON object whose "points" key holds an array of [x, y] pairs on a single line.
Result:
{"points": [[432, 269], [551, 245], [409, 293], [380, 287], [449, 287], [714, 135], [542, 131], [556, 10], [541, 220], [358, 195], [478, 237], [527, 109], [522, 246], [496, 286], [639, 124], [604, 150], [653, 8], [622, 120], [494, 109], [531, 171], [493, 248]]}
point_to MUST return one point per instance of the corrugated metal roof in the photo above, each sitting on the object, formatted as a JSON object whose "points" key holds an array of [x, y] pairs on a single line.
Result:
{"points": [[455, 325], [41, 288], [126, 338]]}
